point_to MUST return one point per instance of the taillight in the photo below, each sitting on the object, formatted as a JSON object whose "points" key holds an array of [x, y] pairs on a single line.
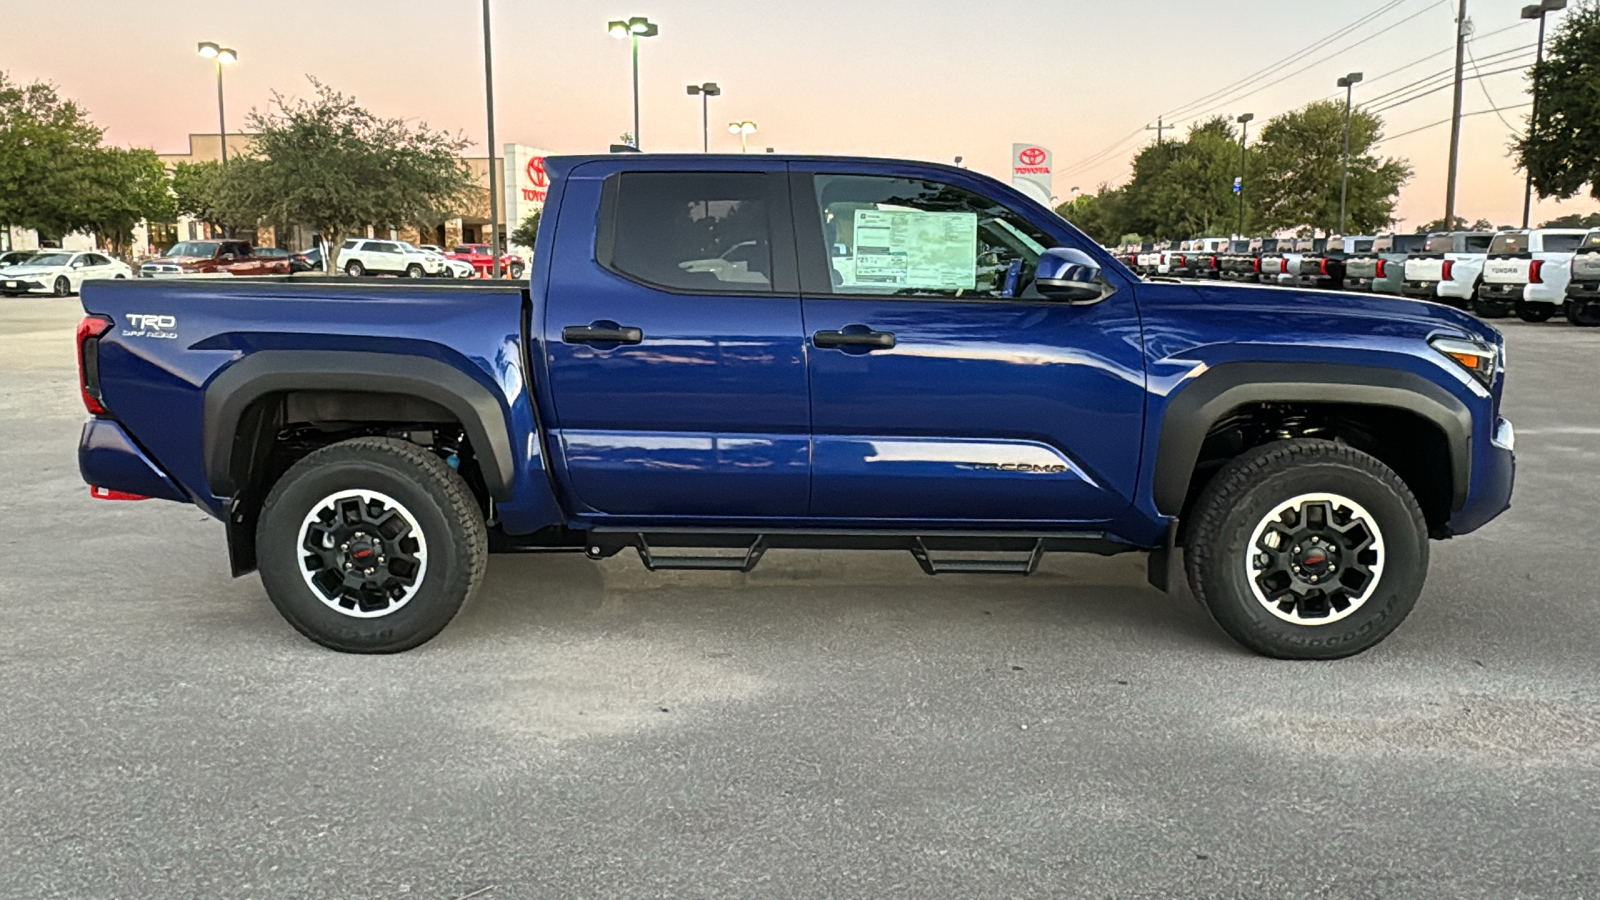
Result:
{"points": [[1283, 266], [1323, 267], [1214, 263], [1183, 261], [1449, 269], [1256, 266], [89, 332], [1383, 268], [1536, 272]]}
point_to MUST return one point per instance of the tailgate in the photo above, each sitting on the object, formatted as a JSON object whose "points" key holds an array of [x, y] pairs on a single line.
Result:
{"points": [[1507, 270], [1586, 267], [1430, 268], [1361, 267]]}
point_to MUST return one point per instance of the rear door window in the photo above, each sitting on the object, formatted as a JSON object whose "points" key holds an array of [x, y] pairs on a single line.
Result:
{"points": [[1561, 243], [700, 232]]}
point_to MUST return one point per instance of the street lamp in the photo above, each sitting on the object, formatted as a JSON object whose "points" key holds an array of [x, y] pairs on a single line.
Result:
{"points": [[743, 130], [633, 29], [1349, 83], [222, 56], [494, 184], [1536, 11], [706, 91], [1244, 139]]}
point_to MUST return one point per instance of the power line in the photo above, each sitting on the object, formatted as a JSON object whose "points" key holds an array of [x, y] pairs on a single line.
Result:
{"points": [[1481, 112], [1484, 86], [1419, 96], [1502, 56]]}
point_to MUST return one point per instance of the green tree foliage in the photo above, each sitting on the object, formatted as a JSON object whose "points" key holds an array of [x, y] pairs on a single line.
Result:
{"points": [[1561, 146], [1574, 220], [528, 231], [1457, 224], [196, 190], [57, 177], [330, 164], [1298, 164]]}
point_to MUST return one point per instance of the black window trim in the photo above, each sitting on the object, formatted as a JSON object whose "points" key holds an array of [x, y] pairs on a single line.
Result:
{"points": [[780, 225], [810, 249]]}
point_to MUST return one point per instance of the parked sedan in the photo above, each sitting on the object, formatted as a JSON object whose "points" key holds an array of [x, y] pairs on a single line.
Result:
{"points": [[16, 258], [60, 273]]}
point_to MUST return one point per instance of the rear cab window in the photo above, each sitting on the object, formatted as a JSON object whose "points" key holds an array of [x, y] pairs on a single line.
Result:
{"points": [[695, 232], [1513, 242], [883, 236]]}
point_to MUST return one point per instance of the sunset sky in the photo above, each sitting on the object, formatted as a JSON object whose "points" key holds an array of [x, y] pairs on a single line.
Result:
{"points": [[928, 79]]}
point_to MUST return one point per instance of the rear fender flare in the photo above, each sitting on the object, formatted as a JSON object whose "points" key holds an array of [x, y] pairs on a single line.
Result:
{"points": [[481, 413], [1205, 400]]}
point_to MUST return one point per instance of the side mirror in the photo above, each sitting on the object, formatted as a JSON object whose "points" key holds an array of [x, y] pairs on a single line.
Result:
{"points": [[1070, 275]]}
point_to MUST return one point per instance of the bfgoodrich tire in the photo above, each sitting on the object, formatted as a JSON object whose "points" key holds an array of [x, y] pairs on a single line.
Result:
{"points": [[1307, 550], [371, 545]]}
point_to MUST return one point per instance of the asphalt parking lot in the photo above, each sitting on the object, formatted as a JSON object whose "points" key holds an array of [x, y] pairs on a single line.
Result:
{"points": [[828, 725]]}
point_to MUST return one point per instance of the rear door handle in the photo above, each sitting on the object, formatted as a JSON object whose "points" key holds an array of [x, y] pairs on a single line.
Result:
{"points": [[854, 336], [601, 333]]}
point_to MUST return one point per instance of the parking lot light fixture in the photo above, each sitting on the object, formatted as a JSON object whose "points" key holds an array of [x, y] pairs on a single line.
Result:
{"points": [[743, 130], [634, 29], [1536, 11], [705, 92], [1349, 83], [221, 56], [1244, 140]]}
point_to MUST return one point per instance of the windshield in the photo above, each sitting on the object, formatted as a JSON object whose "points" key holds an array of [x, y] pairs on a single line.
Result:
{"points": [[1592, 239], [202, 249], [1511, 242], [51, 259], [1562, 243], [15, 257]]}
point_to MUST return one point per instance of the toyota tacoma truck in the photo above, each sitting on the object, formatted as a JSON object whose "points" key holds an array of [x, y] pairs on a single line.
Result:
{"points": [[1527, 273], [1325, 269], [1382, 268], [917, 357]]}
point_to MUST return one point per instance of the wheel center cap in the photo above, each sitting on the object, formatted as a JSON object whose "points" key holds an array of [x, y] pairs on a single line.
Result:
{"points": [[1317, 558], [364, 551]]}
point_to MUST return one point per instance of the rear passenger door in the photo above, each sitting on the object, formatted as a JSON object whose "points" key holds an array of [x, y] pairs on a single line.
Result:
{"points": [[673, 344]]}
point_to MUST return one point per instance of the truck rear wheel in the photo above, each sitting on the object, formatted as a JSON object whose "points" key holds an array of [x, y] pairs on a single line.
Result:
{"points": [[371, 545], [1583, 312], [1535, 312], [1307, 549]]}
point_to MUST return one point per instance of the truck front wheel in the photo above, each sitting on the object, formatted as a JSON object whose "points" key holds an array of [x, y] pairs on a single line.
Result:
{"points": [[1307, 549], [371, 545]]}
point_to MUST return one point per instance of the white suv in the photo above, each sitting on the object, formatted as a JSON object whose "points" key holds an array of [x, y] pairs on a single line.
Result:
{"points": [[360, 256]]}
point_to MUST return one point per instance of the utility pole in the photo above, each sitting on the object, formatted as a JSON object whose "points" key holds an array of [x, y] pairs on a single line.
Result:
{"points": [[494, 190], [1159, 127], [1455, 121]]}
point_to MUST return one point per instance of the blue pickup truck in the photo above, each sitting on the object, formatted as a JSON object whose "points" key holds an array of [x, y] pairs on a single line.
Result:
{"points": [[717, 356]]}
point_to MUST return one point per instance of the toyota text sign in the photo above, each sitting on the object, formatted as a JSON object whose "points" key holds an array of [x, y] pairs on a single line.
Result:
{"points": [[1031, 167]]}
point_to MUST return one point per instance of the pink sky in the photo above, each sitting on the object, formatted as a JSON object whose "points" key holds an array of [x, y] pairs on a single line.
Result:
{"points": [[929, 79]]}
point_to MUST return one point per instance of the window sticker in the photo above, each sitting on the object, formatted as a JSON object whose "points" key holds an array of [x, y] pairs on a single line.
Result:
{"points": [[909, 248]]}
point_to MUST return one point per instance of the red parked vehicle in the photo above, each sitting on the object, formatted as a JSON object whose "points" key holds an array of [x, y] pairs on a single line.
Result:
{"points": [[482, 260], [216, 258]]}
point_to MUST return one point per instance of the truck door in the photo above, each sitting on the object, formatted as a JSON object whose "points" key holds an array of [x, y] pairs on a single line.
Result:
{"points": [[672, 334], [943, 388]]}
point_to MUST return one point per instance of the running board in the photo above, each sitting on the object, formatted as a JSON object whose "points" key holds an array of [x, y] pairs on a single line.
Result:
{"points": [[937, 553]]}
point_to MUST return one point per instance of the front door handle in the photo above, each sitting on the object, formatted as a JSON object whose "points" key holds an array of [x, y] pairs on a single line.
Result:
{"points": [[601, 333], [855, 337]]}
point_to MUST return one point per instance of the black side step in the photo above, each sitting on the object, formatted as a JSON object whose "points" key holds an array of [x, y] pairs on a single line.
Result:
{"points": [[970, 566], [656, 562]]}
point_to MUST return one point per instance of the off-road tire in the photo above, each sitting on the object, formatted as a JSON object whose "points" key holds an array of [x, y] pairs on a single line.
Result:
{"points": [[433, 493], [1247, 489], [1489, 309], [1535, 312]]}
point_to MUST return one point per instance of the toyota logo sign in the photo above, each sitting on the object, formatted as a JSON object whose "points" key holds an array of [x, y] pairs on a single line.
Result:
{"points": [[536, 172], [1032, 156]]}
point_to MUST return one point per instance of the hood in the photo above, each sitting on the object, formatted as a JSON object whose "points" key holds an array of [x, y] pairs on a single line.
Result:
{"points": [[25, 270], [178, 260], [1271, 313]]}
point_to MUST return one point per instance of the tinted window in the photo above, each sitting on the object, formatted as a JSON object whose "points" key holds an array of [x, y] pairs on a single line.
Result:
{"points": [[1239, 247], [1363, 246], [920, 238], [200, 249], [1511, 242], [691, 231], [1478, 243], [1407, 243], [1562, 243], [1592, 239]]}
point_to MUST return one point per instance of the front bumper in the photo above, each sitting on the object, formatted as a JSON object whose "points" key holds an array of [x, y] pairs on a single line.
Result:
{"points": [[20, 285], [1498, 293], [1494, 471]]}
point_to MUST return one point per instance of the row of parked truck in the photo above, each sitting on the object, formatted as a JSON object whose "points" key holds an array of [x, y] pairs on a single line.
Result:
{"points": [[1532, 274]]}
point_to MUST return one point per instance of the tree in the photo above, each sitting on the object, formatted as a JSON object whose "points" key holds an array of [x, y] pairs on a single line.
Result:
{"points": [[1438, 226], [528, 231], [47, 151], [196, 190], [1561, 143], [1298, 163], [1574, 220], [123, 188], [332, 165]]}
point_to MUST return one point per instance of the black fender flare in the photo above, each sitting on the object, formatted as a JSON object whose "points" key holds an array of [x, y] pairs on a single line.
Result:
{"points": [[481, 413], [1204, 400]]}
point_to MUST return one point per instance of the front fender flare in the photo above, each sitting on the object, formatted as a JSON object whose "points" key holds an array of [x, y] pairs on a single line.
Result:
{"points": [[481, 413], [1204, 400]]}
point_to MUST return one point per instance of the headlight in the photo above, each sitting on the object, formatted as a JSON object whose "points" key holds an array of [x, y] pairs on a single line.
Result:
{"points": [[1481, 359]]}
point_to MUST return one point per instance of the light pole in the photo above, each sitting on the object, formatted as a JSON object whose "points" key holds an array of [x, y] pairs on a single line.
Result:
{"points": [[222, 56], [1537, 11], [1244, 140], [706, 91], [1349, 83], [743, 130], [634, 28], [494, 191]]}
